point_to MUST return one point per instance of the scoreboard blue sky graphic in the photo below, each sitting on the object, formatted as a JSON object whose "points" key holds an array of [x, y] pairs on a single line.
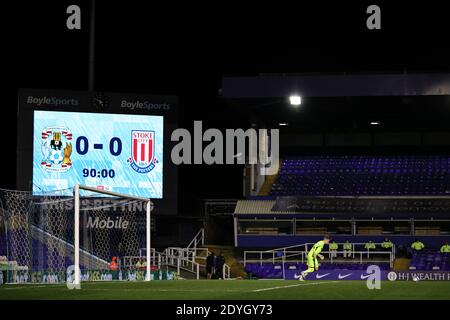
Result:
{"points": [[113, 152]]}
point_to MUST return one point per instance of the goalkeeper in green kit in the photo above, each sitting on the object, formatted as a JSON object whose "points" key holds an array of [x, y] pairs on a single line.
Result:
{"points": [[313, 264]]}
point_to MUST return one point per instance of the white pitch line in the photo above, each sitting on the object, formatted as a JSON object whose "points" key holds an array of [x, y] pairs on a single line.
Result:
{"points": [[167, 290], [32, 287], [294, 285]]}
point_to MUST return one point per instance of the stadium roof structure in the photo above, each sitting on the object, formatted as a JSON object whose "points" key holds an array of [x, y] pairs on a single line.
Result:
{"points": [[256, 206], [337, 85], [344, 208], [342, 102]]}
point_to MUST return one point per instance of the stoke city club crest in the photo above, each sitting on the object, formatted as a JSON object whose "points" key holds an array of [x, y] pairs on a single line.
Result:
{"points": [[142, 158]]}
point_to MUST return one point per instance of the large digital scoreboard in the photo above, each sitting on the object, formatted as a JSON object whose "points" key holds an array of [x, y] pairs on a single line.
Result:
{"points": [[109, 141], [113, 152]]}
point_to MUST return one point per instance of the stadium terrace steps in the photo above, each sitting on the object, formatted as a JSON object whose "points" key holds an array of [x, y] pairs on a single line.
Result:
{"points": [[236, 267], [200, 258], [401, 264], [267, 186], [186, 274]]}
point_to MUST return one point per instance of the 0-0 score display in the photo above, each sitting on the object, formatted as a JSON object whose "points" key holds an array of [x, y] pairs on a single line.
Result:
{"points": [[82, 148], [120, 153]]}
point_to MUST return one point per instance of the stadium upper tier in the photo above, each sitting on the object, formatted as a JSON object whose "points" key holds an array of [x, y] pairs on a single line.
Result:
{"points": [[363, 176]]}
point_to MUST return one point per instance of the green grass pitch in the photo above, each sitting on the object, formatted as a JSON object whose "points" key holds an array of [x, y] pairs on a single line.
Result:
{"points": [[231, 290]]}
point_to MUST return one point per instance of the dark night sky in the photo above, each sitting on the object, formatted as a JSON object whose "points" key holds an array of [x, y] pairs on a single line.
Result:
{"points": [[184, 50]]}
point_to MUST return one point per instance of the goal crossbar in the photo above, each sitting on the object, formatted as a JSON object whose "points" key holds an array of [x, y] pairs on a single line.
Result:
{"points": [[115, 194], [77, 188]]}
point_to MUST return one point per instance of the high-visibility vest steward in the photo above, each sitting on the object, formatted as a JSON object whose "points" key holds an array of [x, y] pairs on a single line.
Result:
{"points": [[417, 245], [387, 245]]}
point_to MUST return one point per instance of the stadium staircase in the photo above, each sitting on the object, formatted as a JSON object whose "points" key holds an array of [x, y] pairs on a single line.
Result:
{"points": [[401, 264], [236, 267], [267, 185], [190, 261]]}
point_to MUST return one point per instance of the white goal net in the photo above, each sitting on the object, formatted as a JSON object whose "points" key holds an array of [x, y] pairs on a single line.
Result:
{"points": [[75, 235]]}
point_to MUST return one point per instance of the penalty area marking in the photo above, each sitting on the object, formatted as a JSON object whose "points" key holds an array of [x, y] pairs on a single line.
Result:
{"points": [[294, 285]]}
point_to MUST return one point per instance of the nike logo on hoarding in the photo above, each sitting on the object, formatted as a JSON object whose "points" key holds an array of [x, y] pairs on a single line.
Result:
{"points": [[318, 276], [344, 276], [365, 277]]}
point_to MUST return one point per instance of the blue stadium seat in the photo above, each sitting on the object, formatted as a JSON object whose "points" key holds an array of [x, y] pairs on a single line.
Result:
{"points": [[426, 261], [363, 175]]}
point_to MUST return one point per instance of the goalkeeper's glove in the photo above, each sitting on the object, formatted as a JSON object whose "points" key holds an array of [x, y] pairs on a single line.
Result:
{"points": [[321, 256]]}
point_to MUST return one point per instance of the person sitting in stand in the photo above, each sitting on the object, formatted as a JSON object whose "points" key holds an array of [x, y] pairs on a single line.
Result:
{"points": [[417, 246], [445, 248], [387, 245], [369, 246], [333, 246], [347, 246]]}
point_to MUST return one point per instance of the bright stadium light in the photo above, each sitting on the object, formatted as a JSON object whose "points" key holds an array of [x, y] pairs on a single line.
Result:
{"points": [[295, 100], [283, 124], [375, 123]]}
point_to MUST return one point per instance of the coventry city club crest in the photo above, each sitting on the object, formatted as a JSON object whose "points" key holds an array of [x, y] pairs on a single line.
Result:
{"points": [[56, 149], [142, 158]]}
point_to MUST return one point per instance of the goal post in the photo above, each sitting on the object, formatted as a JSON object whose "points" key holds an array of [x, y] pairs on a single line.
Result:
{"points": [[74, 235], [77, 209]]}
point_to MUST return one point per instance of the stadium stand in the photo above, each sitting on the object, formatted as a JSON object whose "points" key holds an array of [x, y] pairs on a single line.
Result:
{"points": [[363, 176], [354, 198], [430, 261]]}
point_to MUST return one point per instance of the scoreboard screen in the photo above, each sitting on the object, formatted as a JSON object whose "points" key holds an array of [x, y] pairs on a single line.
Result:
{"points": [[112, 152]]}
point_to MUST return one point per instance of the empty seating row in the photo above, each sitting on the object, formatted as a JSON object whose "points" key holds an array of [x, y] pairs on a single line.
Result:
{"points": [[363, 175], [430, 261]]}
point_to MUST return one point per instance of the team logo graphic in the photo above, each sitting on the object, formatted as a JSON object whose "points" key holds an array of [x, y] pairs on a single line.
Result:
{"points": [[392, 276], [142, 158], [56, 149]]}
